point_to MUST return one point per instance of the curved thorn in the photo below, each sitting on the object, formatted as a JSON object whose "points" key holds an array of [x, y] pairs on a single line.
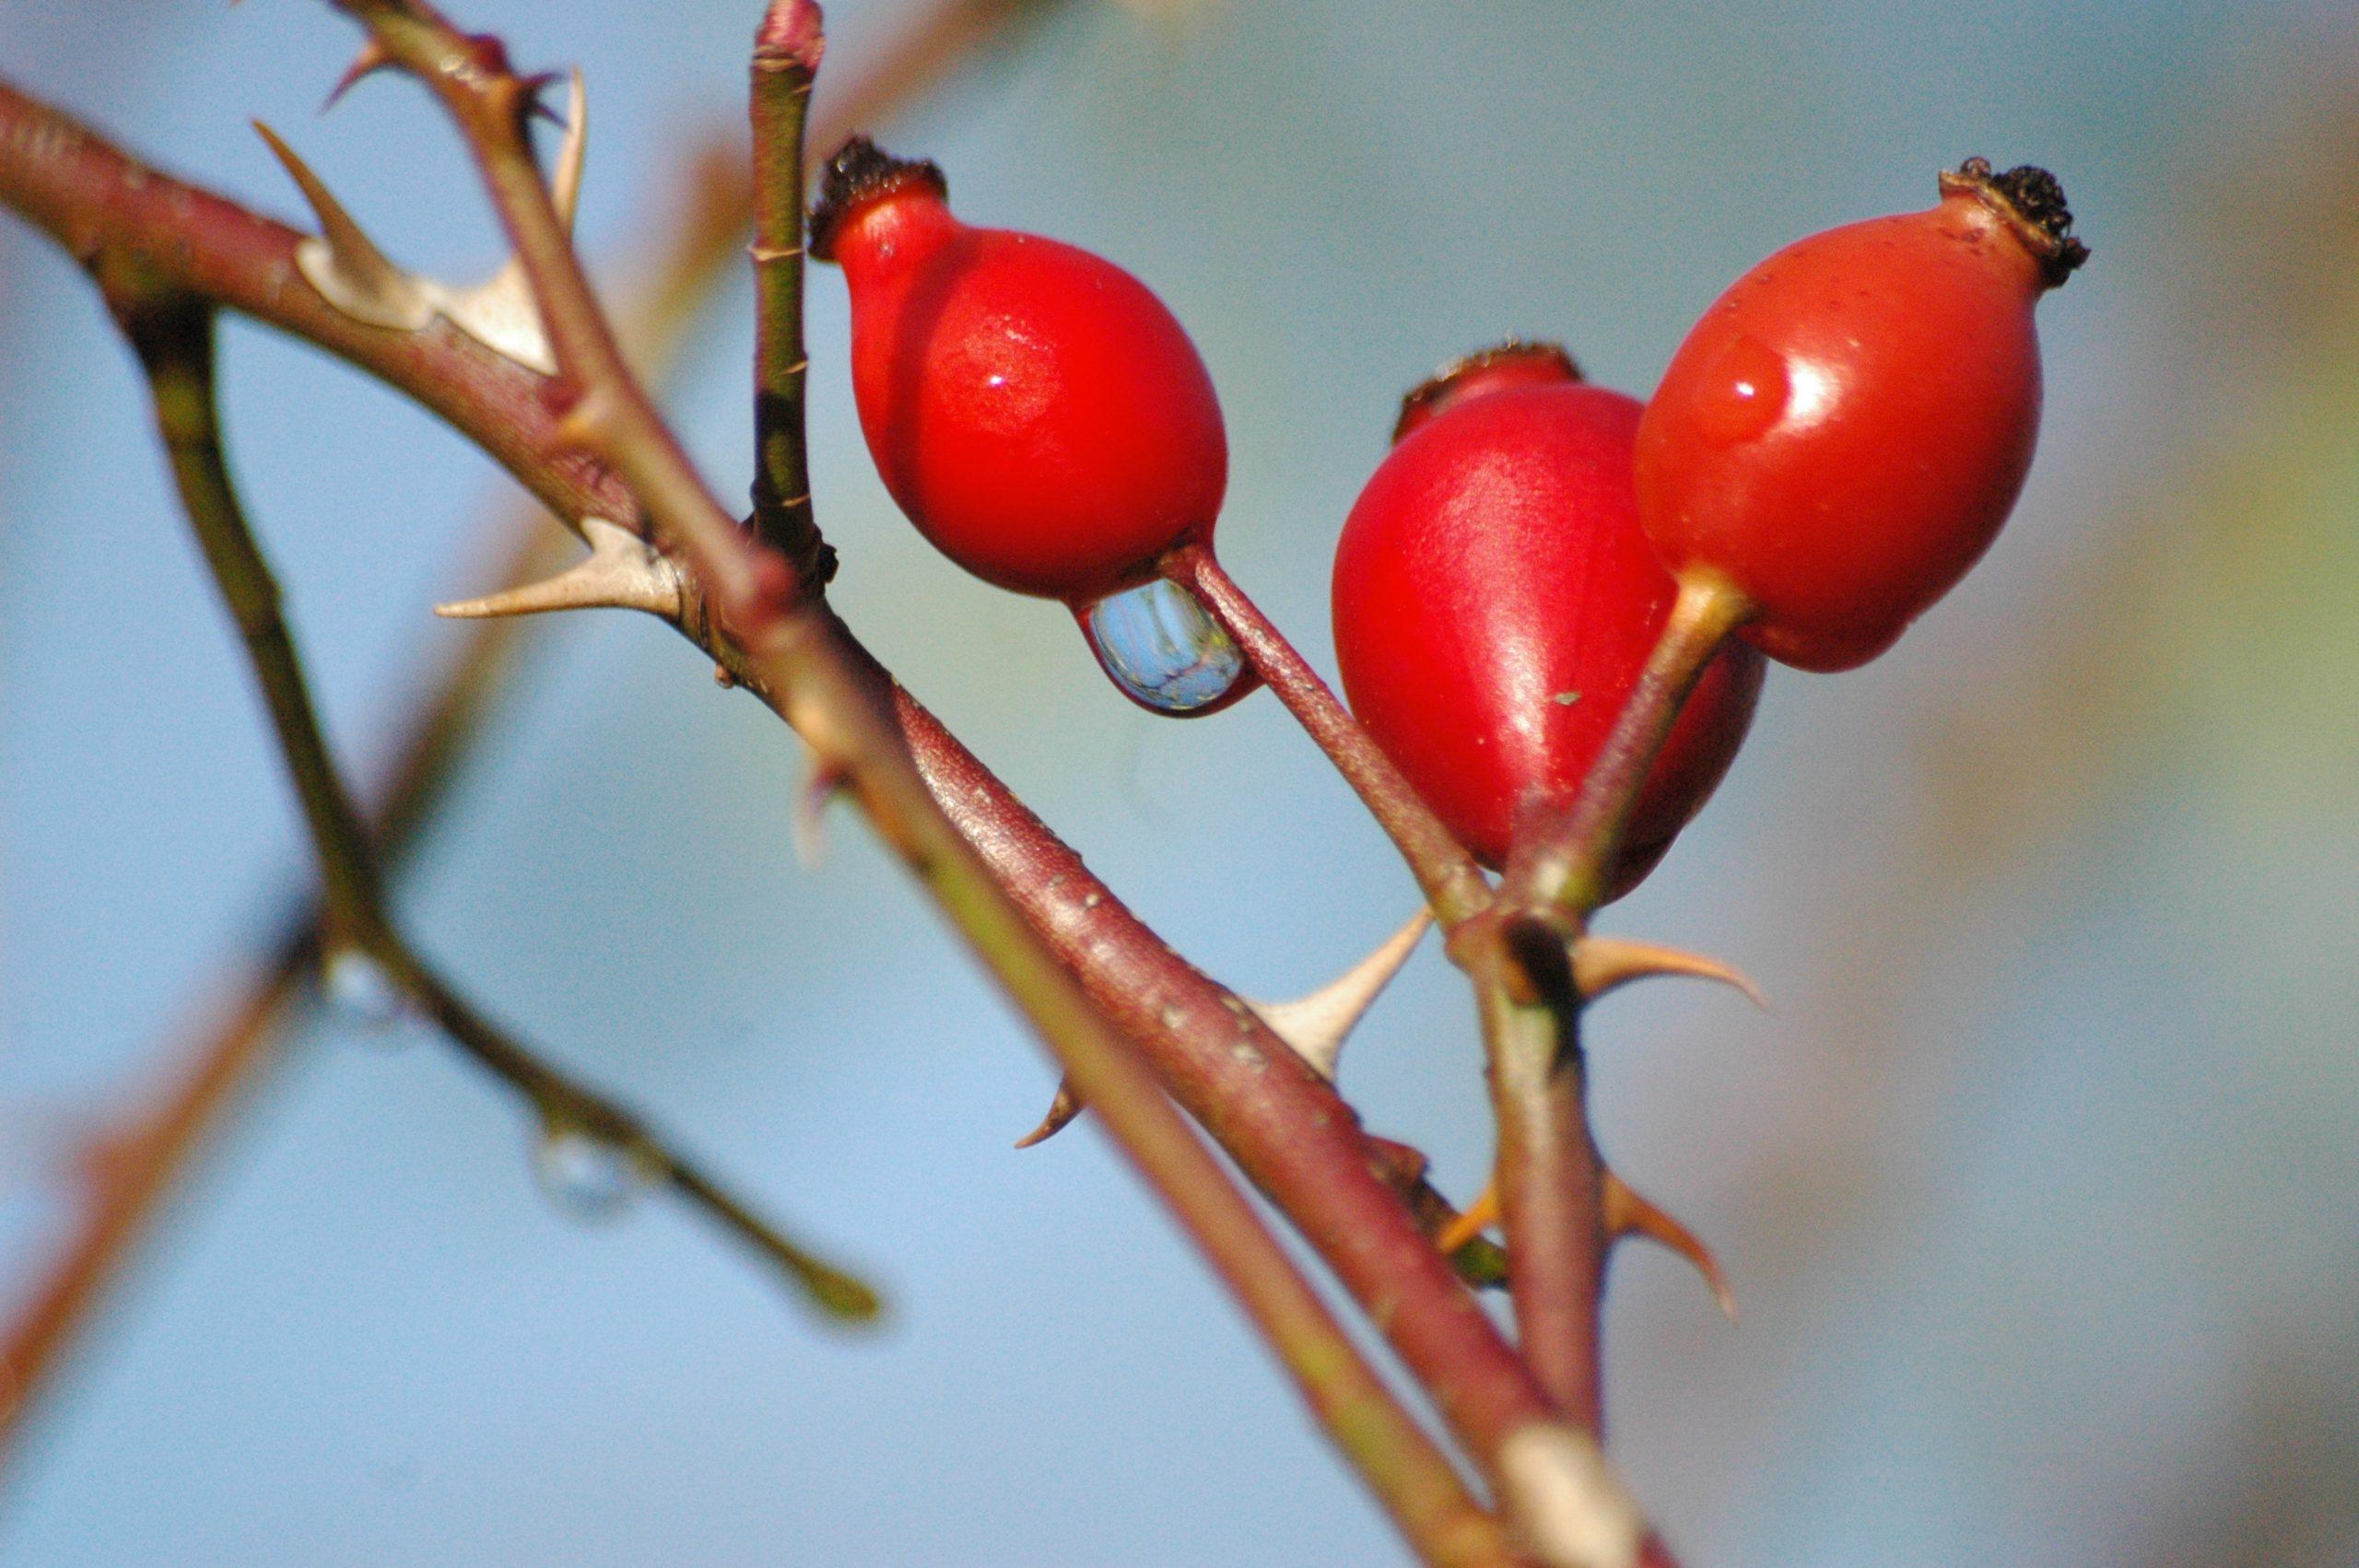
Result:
{"points": [[619, 573], [1476, 1218], [371, 58], [344, 264], [1315, 1025], [1628, 1214], [1603, 962], [1062, 1110]]}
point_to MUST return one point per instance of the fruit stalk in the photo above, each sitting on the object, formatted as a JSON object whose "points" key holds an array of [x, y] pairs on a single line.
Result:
{"points": [[1452, 884]]}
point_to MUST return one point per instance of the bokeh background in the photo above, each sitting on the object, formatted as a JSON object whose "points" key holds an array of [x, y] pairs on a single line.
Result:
{"points": [[2038, 1185]]}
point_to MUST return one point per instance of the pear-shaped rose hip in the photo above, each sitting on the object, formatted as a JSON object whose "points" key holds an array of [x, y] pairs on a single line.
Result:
{"points": [[1039, 415], [1495, 601], [1842, 434]]}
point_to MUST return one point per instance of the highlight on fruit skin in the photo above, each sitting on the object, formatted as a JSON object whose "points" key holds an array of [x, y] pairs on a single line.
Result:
{"points": [[1495, 601], [1034, 409], [1844, 432]]}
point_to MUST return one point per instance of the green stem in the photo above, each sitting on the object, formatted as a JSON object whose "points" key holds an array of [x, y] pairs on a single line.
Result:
{"points": [[786, 57], [173, 335]]}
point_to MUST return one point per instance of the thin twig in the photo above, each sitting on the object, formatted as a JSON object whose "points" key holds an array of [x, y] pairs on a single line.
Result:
{"points": [[135, 1165], [786, 61], [1452, 882], [173, 337], [829, 694]]}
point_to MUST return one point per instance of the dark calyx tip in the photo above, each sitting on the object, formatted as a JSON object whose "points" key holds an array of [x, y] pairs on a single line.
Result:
{"points": [[1511, 362], [2033, 200], [860, 173]]}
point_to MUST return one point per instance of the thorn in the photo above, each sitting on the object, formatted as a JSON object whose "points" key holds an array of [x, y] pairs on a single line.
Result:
{"points": [[344, 264], [1602, 963], [819, 791], [1476, 1218], [620, 573], [1315, 1025], [565, 189], [372, 57], [1628, 1214], [1062, 1110]]}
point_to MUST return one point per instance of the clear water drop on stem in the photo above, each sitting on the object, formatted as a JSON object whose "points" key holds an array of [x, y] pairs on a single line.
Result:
{"points": [[1164, 651], [586, 1176], [363, 992]]}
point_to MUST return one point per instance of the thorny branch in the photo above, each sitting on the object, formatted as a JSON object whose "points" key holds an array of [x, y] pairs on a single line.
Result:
{"points": [[798, 653], [126, 1172], [76, 187], [173, 335]]}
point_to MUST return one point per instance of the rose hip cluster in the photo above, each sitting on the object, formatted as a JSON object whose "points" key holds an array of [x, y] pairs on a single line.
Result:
{"points": [[1836, 441]]}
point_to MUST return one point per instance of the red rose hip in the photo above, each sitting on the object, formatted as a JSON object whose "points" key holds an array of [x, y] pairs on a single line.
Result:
{"points": [[1840, 437], [1038, 414], [1495, 601]]}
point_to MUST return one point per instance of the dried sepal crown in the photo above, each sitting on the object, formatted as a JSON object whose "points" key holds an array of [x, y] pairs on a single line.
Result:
{"points": [[353, 275], [2032, 200], [861, 172]]}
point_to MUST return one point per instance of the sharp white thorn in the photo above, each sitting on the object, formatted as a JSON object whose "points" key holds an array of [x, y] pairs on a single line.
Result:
{"points": [[344, 264], [619, 573], [1315, 1025]]}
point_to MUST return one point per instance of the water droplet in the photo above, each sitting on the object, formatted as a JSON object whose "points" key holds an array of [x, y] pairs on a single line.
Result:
{"points": [[1163, 651], [362, 993], [588, 1178]]}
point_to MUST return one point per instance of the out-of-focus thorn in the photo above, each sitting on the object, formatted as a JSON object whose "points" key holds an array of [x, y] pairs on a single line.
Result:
{"points": [[1472, 1220], [1628, 1214], [1315, 1025], [819, 792], [1062, 1110], [344, 264], [500, 312], [621, 572], [371, 58], [1602, 963]]}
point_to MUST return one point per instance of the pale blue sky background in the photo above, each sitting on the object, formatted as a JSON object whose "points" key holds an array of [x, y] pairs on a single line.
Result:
{"points": [[2035, 1187]]}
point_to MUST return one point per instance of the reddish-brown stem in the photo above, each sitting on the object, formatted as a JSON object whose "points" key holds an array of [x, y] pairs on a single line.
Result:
{"points": [[1452, 882], [1287, 1128], [834, 698], [92, 198], [1551, 1180], [1552, 1188]]}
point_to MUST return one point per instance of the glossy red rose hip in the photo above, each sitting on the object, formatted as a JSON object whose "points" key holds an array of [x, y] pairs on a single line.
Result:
{"points": [[1038, 414], [1842, 434], [1495, 601]]}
